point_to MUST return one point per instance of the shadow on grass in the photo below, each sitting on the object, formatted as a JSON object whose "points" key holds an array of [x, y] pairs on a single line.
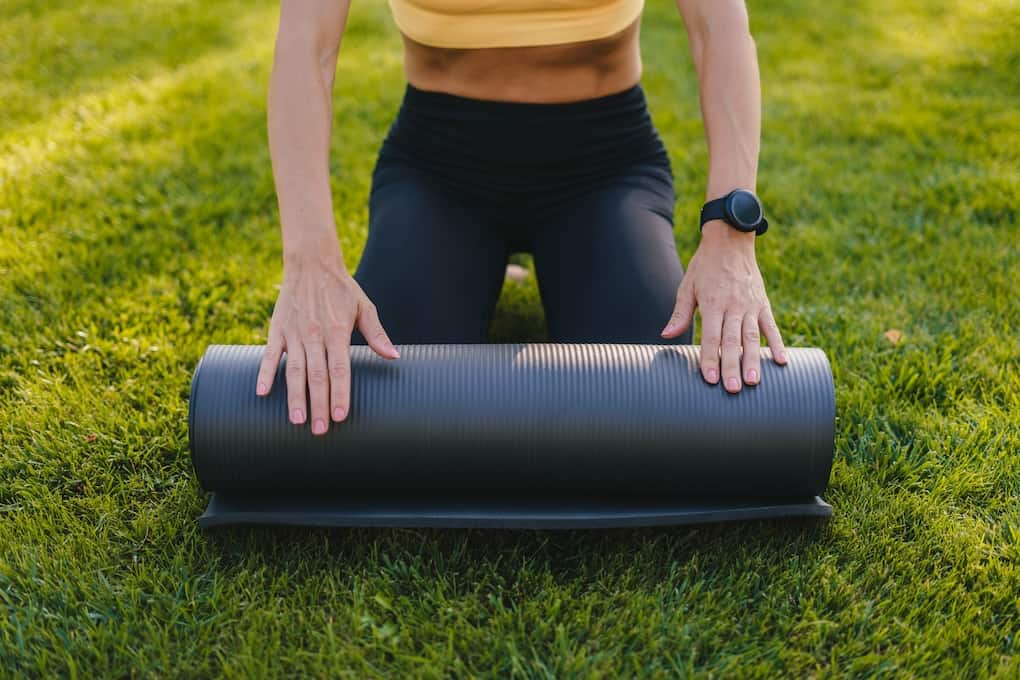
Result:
{"points": [[652, 554]]}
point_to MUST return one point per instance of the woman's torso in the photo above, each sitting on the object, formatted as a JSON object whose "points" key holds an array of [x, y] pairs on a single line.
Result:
{"points": [[559, 72]]}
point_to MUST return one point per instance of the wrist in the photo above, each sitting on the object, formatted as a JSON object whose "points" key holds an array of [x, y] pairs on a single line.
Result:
{"points": [[324, 253], [720, 234]]}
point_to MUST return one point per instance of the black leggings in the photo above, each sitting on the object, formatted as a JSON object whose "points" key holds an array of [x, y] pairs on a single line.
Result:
{"points": [[460, 184]]}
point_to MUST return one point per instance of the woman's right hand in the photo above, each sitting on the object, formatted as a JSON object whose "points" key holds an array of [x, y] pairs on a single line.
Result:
{"points": [[318, 308]]}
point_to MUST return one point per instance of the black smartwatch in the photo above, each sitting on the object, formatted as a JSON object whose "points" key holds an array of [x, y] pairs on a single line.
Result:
{"points": [[740, 209]]}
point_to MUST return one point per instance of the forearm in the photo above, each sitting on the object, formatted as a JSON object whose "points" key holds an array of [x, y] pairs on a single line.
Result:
{"points": [[731, 109], [727, 66], [299, 122]]}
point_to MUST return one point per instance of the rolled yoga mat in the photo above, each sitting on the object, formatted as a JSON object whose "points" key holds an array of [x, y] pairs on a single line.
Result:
{"points": [[516, 436]]}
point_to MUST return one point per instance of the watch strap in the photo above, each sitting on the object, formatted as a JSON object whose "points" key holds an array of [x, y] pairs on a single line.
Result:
{"points": [[713, 210]]}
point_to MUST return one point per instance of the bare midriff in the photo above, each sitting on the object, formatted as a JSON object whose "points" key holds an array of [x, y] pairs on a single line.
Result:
{"points": [[538, 74]]}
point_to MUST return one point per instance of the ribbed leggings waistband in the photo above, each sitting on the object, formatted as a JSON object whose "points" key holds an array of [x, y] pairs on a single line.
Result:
{"points": [[496, 150], [604, 131]]}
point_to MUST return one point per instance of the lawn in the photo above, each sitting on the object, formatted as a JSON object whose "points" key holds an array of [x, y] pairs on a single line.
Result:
{"points": [[138, 225]]}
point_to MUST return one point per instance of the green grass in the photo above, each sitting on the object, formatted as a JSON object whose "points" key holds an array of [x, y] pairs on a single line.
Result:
{"points": [[138, 225]]}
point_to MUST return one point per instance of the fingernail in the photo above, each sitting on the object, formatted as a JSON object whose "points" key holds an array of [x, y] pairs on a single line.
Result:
{"points": [[261, 389], [732, 384], [396, 353], [297, 416], [713, 375], [669, 329], [319, 426], [752, 376], [781, 357], [338, 413]]}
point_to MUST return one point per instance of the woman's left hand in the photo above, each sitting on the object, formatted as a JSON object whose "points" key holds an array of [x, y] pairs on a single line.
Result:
{"points": [[723, 281]]}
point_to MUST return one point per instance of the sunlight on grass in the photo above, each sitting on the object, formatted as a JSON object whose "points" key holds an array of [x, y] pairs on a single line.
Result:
{"points": [[138, 224]]}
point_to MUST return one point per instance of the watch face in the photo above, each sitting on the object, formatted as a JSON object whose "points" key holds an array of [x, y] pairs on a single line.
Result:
{"points": [[745, 208]]}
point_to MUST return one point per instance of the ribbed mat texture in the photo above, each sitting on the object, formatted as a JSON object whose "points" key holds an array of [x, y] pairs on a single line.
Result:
{"points": [[598, 421]]}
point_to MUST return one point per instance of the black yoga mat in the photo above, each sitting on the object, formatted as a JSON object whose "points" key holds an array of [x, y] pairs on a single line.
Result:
{"points": [[516, 435]]}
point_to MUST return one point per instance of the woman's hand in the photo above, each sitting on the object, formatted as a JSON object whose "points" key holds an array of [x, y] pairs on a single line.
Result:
{"points": [[723, 281], [318, 308]]}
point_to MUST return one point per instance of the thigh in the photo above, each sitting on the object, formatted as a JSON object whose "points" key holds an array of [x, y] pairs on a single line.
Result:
{"points": [[607, 263], [431, 266]]}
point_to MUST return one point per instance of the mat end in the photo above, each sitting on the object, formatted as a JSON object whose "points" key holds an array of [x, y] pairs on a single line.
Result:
{"points": [[479, 513]]}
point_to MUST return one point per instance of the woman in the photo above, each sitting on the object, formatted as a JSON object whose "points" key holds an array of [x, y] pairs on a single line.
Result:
{"points": [[523, 128]]}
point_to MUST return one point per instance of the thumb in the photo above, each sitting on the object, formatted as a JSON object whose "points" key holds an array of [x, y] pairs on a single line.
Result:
{"points": [[683, 312], [372, 330]]}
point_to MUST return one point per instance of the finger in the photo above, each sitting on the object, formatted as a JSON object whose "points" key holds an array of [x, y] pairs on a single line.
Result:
{"points": [[772, 336], [372, 330], [318, 383], [731, 352], [338, 354], [711, 334], [295, 372], [751, 360], [683, 311], [270, 361]]}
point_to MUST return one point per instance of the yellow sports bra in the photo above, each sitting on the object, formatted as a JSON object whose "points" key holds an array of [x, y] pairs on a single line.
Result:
{"points": [[511, 23]]}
